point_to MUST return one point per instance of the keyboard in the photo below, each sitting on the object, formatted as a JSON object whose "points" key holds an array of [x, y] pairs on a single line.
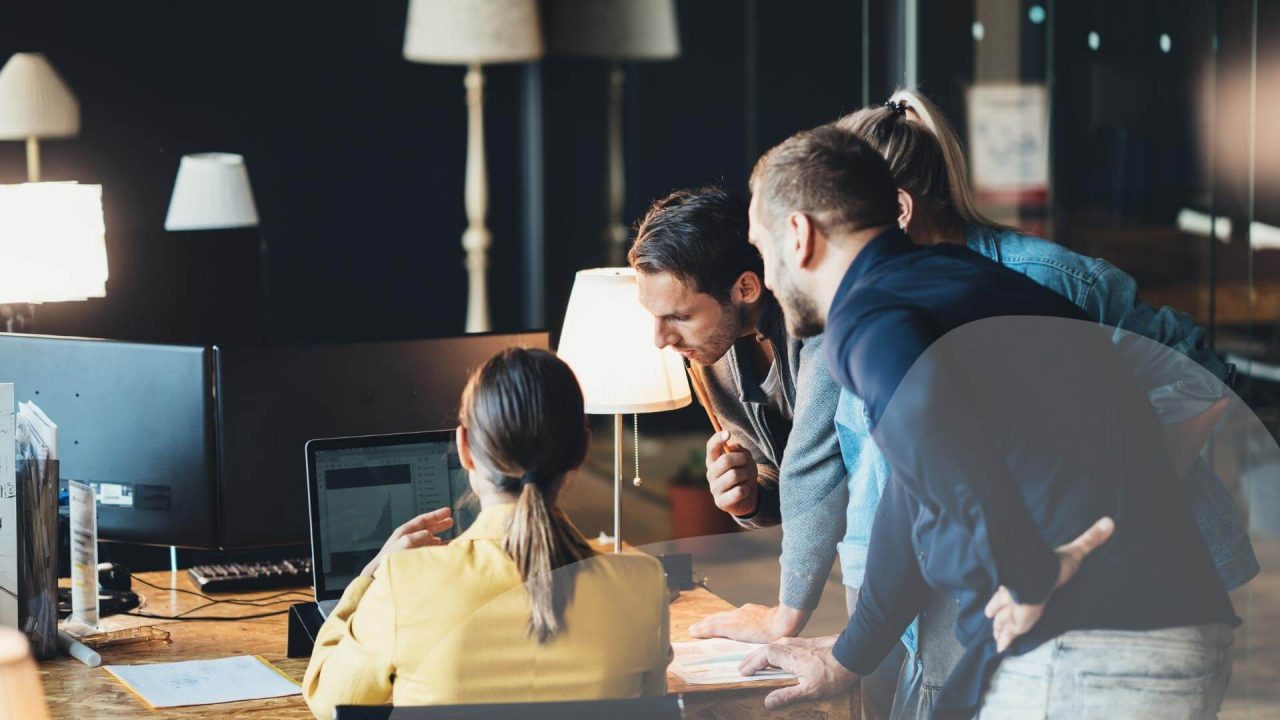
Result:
{"points": [[262, 575]]}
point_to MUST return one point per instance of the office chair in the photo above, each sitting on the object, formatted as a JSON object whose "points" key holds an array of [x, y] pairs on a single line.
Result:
{"points": [[649, 708]]}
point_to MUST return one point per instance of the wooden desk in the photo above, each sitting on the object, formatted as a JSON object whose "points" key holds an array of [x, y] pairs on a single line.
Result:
{"points": [[84, 693]]}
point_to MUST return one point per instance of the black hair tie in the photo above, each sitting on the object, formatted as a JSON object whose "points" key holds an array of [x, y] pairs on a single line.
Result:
{"points": [[529, 478], [899, 108]]}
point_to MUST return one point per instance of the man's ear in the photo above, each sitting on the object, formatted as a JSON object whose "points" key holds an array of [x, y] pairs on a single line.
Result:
{"points": [[906, 208], [803, 238], [748, 288], [464, 449]]}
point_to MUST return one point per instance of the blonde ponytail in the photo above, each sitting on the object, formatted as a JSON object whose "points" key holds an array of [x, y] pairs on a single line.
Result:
{"points": [[958, 187], [923, 152]]}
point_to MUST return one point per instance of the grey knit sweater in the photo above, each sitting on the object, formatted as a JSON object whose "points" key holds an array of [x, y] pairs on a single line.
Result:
{"points": [[801, 472]]}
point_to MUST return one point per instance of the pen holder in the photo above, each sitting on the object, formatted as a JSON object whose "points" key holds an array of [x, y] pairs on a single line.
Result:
{"points": [[37, 490]]}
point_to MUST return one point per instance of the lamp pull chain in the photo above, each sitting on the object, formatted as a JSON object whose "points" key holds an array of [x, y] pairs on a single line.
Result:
{"points": [[635, 447]]}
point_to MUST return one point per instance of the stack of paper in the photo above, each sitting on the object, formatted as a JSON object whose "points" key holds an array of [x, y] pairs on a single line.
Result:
{"points": [[39, 430]]}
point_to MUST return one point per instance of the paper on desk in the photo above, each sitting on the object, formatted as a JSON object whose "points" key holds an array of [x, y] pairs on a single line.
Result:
{"points": [[205, 682], [715, 661]]}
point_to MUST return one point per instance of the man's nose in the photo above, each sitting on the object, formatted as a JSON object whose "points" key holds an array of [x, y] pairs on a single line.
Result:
{"points": [[662, 338]]}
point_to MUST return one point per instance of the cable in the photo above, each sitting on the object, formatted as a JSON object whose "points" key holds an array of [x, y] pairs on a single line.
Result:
{"points": [[231, 601], [231, 618], [185, 615]]}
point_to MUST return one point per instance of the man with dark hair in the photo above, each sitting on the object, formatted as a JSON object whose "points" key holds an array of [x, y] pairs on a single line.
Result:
{"points": [[703, 283], [1011, 423]]}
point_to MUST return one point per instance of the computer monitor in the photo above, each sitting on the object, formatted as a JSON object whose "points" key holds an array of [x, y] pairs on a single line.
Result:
{"points": [[135, 421], [272, 400]]}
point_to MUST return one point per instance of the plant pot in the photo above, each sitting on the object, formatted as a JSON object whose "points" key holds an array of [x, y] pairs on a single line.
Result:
{"points": [[694, 513]]}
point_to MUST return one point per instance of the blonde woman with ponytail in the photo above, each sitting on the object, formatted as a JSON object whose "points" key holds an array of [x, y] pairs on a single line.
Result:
{"points": [[517, 608], [936, 206]]}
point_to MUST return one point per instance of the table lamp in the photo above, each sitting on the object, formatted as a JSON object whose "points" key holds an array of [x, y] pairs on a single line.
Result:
{"points": [[52, 246], [35, 103], [21, 694], [472, 33], [607, 340], [615, 30]]}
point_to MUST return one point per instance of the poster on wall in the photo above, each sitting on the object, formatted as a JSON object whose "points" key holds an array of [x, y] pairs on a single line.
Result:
{"points": [[1009, 143], [8, 512]]}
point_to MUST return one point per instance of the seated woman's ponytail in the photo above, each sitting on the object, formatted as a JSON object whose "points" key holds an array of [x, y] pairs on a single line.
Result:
{"points": [[525, 419]]}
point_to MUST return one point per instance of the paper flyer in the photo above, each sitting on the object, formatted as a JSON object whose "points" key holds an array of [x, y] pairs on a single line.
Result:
{"points": [[84, 554]]}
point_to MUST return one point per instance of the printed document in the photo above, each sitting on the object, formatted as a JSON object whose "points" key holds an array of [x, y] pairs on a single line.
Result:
{"points": [[716, 661], [205, 682]]}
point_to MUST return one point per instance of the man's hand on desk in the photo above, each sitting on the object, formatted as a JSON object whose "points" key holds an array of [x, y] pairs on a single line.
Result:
{"points": [[819, 674], [731, 474], [1009, 620], [752, 623], [418, 532]]}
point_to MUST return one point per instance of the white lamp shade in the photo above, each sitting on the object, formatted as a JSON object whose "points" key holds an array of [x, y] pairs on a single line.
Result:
{"points": [[212, 192], [463, 32], [608, 341], [34, 101], [613, 29], [21, 694], [52, 243]]}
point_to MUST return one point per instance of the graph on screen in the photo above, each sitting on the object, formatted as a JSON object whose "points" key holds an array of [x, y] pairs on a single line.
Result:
{"points": [[366, 493]]}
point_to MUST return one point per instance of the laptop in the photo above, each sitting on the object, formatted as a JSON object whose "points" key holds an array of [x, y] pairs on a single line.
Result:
{"points": [[362, 488]]}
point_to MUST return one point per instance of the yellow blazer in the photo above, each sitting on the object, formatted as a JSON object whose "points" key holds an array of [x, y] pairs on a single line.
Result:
{"points": [[449, 624]]}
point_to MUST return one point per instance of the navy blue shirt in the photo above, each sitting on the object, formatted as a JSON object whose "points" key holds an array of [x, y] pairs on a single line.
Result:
{"points": [[1010, 423]]}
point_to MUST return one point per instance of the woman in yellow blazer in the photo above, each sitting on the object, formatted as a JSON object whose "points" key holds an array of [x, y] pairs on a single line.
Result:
{"points": [[518, 607]]}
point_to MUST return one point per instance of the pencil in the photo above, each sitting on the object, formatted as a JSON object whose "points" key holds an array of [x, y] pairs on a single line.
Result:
{"points": [[698, 382]]}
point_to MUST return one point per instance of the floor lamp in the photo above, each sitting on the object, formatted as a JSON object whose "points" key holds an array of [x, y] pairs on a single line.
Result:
{"points": [[212, 192], [607, 341], [618, 31], [35, 103], [474, 33]]}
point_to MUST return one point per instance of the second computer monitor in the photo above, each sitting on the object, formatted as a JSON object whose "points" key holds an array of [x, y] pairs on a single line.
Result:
{"points": [[272, 400]]}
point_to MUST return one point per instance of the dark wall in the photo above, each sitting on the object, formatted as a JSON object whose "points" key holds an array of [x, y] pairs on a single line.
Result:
{"points": [[357, 156]]}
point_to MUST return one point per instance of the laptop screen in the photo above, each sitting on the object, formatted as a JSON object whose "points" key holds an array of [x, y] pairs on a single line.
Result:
{"points": [[364, 488]]}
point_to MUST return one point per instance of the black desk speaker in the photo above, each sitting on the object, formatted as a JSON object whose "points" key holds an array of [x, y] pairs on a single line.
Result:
{"points": [[305, 621]]}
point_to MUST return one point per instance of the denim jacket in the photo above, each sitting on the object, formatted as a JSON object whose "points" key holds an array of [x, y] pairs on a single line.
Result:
{"points": [[1108, 295]]}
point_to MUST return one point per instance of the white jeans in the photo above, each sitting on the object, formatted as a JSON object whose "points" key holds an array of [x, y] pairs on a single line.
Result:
{"points": [[1174, 673]]}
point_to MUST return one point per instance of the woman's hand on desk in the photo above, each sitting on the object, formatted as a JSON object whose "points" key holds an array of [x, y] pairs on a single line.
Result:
{"points": [[819, 674], [752, 623], [418, 532]]}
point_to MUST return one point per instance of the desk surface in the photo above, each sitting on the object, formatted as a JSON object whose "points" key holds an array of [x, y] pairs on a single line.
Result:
{"points": [[76, 691]]}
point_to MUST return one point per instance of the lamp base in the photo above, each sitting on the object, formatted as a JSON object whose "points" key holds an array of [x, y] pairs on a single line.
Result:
{"points": [[617, 484]]}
